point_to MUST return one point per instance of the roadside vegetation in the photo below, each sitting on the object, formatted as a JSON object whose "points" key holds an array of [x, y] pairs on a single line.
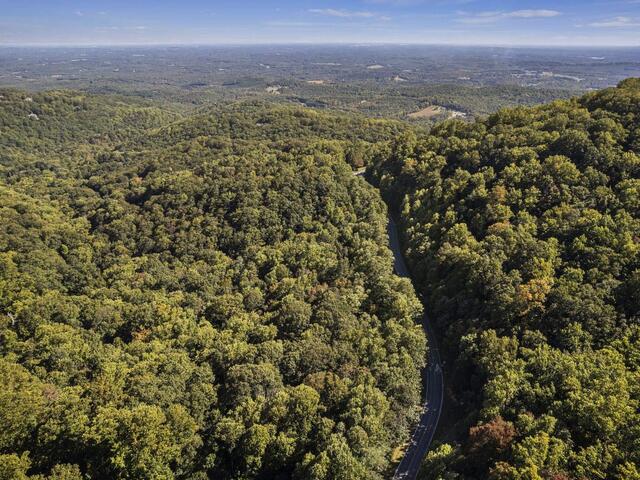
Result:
{"points": [[522, 231]]}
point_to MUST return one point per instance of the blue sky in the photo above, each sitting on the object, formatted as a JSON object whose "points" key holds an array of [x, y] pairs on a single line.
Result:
{"points": [[469, 22]]}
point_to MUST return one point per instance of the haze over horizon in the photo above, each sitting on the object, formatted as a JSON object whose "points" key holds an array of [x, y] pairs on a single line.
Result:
{"points": [[455, 22]]}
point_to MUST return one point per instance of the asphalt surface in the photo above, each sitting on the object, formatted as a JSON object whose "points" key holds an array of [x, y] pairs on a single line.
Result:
{"points": [[432, 382]]}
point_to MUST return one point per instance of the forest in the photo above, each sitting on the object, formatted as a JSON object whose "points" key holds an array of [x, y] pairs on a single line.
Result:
{"points": [[208, 296], [208, 292], [522, 232]]}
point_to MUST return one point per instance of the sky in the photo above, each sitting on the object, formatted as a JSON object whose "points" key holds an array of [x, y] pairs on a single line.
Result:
{"points": [[463, 22]]}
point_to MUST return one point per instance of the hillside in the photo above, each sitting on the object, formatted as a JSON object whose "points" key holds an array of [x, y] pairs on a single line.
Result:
{"points": [[205, 296], [522, 231], [209, 293]]}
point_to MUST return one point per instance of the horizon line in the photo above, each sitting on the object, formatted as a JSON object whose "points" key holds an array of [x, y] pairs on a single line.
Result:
{"points": [[265, 44]]}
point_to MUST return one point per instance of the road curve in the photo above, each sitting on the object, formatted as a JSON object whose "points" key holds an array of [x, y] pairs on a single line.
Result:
{"points": [[432, 379], [432, 382]]}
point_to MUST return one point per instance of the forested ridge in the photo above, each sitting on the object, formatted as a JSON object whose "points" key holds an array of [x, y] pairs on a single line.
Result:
{"points": [[209, 293], [522, 230], [201, 296]]}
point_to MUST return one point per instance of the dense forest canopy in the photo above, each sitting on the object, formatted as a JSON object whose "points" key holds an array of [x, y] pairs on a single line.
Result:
{"points": [[201, 297], [208, 292], [522, 231]]}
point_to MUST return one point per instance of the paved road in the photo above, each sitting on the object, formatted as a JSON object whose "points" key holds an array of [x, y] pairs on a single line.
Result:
{"points": [[432, 382]]}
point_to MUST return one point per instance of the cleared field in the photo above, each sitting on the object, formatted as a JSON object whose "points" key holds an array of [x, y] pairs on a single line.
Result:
{"points": [[428, 112]]}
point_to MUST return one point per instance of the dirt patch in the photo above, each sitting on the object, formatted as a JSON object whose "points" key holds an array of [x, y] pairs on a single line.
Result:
{"points": [[430, 111], [316, 82]]}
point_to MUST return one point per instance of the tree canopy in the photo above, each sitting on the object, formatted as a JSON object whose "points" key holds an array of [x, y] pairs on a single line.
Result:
{"points": [[522, 231], [209, 296]]}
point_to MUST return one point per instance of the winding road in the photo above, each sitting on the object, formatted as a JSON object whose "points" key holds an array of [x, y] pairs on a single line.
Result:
{"points": [[432, 381]]}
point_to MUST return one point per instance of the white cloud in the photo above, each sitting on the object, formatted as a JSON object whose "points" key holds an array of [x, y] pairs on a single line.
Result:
{"points": [[401, 3], [341, 13], [617, 22], [404, 3], [532, 14], [491, 17], [135, 28], [79, 13]]}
